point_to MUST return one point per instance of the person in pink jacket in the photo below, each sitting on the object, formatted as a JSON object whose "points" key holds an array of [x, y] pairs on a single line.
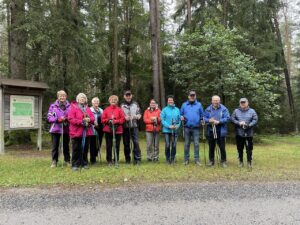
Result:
{"points": [[81, 119], [112, 115]]}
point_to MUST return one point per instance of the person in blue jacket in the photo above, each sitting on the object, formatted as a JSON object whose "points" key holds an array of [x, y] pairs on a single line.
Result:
{"points": [[191, 114], [216, 116], [170, 119]]}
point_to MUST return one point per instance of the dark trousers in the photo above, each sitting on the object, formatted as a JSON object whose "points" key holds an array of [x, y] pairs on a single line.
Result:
{"points": [[95, 145], [55, 147], [79, 156], [170, 146], [109, 146], [248, 143], [133, 134], [220, 141]]}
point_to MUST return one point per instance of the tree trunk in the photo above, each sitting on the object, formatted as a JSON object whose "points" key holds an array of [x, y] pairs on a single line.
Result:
{"points": [[154, 51], [159, 56], [8, 39], [115, 46], [127, 46], [286, 74], [17, 40], [189, 13]]}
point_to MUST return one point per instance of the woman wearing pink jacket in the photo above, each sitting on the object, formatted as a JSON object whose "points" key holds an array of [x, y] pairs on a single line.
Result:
{"points": [[81, 118]]}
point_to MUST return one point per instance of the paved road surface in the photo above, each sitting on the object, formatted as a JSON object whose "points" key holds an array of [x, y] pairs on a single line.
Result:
{"points": [[196, 203]]}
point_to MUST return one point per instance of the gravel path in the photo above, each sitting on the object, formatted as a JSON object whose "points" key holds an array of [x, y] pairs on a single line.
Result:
{"points": [[191, 203]]}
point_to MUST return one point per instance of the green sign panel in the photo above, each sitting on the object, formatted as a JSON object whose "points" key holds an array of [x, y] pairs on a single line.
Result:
{"points": [[22, 109]]}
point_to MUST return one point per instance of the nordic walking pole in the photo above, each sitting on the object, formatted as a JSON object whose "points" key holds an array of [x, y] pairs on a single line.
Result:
{"points": [[114, 141], [154, 135], [83, 146], [216, 143], [246, 142], [173, 137], [182, 122], [62, 145], [204, 140]]}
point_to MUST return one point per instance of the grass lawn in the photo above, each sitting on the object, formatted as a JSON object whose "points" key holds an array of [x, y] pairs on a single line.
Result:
{"points": [[276, 158]]}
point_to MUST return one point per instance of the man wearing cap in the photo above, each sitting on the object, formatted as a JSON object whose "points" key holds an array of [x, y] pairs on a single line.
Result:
{"points": [[132, 113], [216, 116], [244, 119], [191, 114]]}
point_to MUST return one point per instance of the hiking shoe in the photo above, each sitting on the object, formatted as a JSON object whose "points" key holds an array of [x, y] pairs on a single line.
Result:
{"points": [[241, 164], [137, 162], [74, 168], [53, 164], [224, 165], [186, 162], [210, 163], [198, 163]]}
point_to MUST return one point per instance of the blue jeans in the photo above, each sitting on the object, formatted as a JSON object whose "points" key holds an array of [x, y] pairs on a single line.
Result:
{"points": [[188, 133], [170, 139]]}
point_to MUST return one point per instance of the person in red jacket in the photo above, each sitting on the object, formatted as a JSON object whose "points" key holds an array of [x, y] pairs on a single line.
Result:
{"points": [[80, 118], [112, 115], [152, 121]]}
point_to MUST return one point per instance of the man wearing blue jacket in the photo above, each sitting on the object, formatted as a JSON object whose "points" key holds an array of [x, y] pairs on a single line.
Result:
{"points": [[170, 120], [244, 119], [216, 116], [191, 114]]}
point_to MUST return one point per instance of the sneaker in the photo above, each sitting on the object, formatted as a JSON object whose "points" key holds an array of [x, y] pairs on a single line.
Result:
{"points": [[74, 168], [155, 160], [198, 163], [241, 164], [172, 162], [109, 164], [224, 165], [210, 163], [249, 164], [186, 162], [86, 167], [168, 162], [68, 164], [53, 164]]}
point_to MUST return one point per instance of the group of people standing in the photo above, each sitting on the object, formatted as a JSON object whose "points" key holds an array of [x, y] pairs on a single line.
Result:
{"points": [[86, 127]]}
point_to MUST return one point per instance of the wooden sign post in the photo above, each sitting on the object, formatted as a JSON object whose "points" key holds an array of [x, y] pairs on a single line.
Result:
{"points": [[21, 107]]}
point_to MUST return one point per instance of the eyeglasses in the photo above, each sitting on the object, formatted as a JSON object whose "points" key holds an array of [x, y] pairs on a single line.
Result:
{"points": [[192, 95]]}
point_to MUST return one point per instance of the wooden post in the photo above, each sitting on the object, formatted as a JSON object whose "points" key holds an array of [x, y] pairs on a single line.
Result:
{"points": [[1, 121], [39, 140]]}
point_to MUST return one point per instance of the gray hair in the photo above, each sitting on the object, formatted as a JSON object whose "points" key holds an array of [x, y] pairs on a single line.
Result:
{"points": [[216, 96], [81, 95]]}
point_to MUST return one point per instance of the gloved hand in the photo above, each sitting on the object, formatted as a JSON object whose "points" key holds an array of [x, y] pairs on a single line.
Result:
{"points": [[245, 126], [61, 119]]}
